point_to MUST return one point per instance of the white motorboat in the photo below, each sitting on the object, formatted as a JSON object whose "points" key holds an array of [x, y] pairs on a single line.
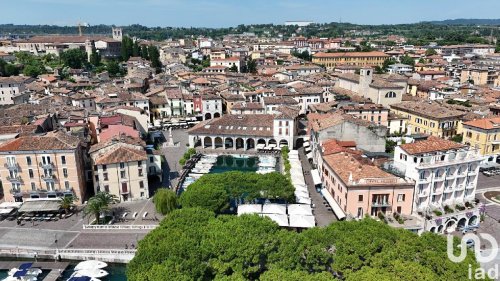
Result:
{"points": [[92, 273], [24, 273], [90, 265], [83, 278]]}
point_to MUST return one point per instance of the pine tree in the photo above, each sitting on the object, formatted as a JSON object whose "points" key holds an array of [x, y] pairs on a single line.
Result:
{"points": [[135, 49]]}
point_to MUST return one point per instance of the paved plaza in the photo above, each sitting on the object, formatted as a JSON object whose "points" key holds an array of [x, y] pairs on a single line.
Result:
{"points": [[69, 233]]}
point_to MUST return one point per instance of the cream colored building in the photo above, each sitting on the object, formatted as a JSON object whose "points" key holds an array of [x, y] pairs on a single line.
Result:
{"points": [[46, 166], [121, 167]]}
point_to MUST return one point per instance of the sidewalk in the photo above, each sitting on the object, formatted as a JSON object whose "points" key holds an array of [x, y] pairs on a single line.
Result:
{"points": [[323, 216]]}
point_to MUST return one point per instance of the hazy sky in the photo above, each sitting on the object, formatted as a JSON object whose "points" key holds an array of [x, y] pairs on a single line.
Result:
{"points": [[222, 13]]}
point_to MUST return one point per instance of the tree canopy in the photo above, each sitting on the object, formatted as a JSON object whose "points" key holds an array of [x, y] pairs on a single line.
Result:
{"points": [[246, 186], [194, 244], [165, 201], [74, 58]]}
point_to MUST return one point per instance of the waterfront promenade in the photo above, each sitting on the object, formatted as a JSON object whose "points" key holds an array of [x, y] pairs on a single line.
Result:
{"points": [[72, 238]]}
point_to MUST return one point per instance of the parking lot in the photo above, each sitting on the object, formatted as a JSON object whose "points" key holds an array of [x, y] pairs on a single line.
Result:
{"points": [[487, 182]]}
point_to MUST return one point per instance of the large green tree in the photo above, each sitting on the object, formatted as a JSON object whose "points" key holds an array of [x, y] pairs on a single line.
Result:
{"points": [[165, 201], [74, 58], [194, 244], [209, 196]]}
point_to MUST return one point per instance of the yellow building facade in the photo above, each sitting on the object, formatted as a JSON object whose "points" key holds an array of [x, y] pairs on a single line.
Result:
{"points": [[430, 119], [484, 135], [330, 60]]}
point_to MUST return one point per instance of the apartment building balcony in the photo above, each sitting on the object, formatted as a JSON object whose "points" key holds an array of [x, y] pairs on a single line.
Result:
{"points": [[461, 174], [15, 178], [11, 166], [472, 173], [453, 158], [448, 189], [15, 191], [440, 178], [380, 204], [470, 186], [423, 194], [48, 177], [49, 165], [460, 187], [424, 180], [437, 191]]}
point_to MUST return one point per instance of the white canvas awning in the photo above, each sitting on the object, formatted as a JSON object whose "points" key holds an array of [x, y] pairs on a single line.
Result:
{"points": [[281, 220], [316, 177], [306, 144], [293, 153], [335, 206], [301, 193], [300, 221], [310, 155], [303, 200], [274, 209], [307, 149], [249, 209], [306, 138], [300, 209], [6, 211], [40, 205], [10, 204]]}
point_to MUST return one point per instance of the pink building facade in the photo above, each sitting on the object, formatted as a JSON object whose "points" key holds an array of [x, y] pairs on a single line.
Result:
{"points": [[361, 188]]}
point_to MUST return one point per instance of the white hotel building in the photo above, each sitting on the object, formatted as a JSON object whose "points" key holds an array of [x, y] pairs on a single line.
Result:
{"points": [[445, 172]]}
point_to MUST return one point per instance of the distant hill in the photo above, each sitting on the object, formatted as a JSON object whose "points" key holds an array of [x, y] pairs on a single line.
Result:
{"points": [[466, 22]]}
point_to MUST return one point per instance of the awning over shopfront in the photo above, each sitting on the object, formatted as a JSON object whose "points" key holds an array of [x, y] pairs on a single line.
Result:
{"points": [[335, 206], [40, 205]]}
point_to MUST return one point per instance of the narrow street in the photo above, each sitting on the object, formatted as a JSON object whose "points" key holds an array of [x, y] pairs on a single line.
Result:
{"points": [[322, 212]]}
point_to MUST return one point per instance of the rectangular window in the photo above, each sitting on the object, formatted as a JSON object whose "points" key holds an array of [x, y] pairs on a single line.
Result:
{"points": [[141, 184], [151, 159], [360, 198], [139, 163], [122, 165], [104, 168], [96, 178], [106, 188], [66, 185], [105, 176], [140, 173], [401, 197], [30, 172], [122, 174], [65, 172], [33, 186], [28, 160], [63, 160]]}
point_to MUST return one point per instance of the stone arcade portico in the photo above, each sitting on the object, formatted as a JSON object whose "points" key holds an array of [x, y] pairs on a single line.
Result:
{"points": [[244, 132]]}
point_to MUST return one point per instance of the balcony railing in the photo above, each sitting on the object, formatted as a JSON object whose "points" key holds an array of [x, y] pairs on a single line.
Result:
{"points": [[11, 166], [14, 190], [381, 204], [423, 194], [470, 186], [48, 177], [14, 178], [49, 165], [460, 186]]}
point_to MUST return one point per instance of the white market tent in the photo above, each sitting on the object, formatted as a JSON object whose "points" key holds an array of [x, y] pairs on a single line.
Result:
{"points": [[300, 209], [281, 220], [274, 209], [249, 209], [306, 143], [335, 206], [309, 155], [315, 176], [303, 200], [301, 221], [9, 205]]}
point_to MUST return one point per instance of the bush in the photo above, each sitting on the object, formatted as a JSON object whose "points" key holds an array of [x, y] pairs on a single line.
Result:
{"points": [[448, 210], [182, 161], [437, 213], [459, 207]]}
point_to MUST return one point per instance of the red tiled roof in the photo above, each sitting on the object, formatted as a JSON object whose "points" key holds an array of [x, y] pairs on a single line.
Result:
{"points": [[431, 144]]}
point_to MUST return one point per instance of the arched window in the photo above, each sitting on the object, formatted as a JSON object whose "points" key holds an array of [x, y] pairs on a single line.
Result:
{"points": [[390, 95]]}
